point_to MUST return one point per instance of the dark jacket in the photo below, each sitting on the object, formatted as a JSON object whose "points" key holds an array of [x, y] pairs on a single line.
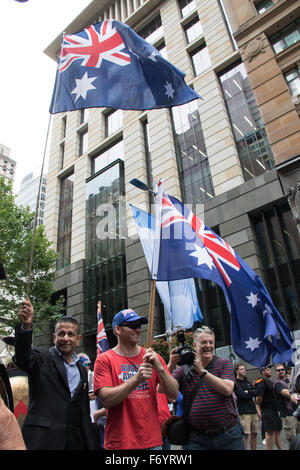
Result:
{"points": [[245, 393], [55, 420]]}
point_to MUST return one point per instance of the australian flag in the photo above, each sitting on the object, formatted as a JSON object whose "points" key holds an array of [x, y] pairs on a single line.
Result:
{"points": [[102, 342], [109, 65], [188, 248]]}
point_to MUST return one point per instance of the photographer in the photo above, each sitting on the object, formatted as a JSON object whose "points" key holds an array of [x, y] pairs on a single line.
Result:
{"points": [[213, 418]]}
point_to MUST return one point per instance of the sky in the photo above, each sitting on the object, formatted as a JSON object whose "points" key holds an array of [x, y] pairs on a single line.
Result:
{"points": [[27, 76]]}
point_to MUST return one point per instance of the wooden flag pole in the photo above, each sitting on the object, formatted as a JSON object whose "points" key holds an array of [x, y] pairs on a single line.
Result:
{"points": [[151, 312]]}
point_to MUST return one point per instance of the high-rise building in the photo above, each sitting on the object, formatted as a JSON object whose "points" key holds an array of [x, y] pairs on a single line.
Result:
{"points": [[31, 187], [224, 154], [7, 165]]}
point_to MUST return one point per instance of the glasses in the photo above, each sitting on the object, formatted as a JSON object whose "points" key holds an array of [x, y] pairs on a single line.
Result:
{"points": [[132, 326], [279, 370]]}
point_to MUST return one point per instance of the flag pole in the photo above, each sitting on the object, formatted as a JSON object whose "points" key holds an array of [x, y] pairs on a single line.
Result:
{"points": [[155, 261], [151, 312], [155, 258], [28, 283]]}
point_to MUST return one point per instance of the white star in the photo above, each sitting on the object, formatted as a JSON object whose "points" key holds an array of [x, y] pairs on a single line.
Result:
{"points": [[202, 256], [252, 343], [83, 85], [169, 90], [252, 299]]}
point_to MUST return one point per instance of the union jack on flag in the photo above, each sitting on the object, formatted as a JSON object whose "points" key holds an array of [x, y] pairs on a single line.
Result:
{"points": [[102, 342], [109, 65], [94, 47], [190, 249]]}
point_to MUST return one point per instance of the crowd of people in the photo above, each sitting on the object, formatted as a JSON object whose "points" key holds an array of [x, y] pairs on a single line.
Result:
{"points": [[124, 403]]}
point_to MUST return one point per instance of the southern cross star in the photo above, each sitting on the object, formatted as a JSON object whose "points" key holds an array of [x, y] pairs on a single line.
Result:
{"points": [[252, 299], [83, 85], [252, 343], [169, 90]]}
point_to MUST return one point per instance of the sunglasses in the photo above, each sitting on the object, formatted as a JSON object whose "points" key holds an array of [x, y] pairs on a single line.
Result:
{"points": [[132, 326], [279, 370]]}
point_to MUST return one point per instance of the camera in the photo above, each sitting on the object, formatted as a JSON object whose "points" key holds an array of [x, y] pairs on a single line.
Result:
{"points": [[185, 351]]}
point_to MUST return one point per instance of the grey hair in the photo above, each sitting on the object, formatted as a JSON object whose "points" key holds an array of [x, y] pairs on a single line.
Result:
{"points": [[204, 329]]}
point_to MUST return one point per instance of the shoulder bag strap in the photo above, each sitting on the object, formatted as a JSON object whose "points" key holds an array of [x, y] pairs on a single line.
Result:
{"points": [[187, 406]]}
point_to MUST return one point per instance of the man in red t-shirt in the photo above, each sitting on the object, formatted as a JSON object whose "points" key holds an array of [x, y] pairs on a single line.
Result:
{"points": [[126, 379]]}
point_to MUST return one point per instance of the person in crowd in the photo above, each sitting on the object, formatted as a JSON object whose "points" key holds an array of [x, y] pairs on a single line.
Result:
{"points": [[213, 416], [58, 415], [267, 409], [126, 378], [163, 414], [245, 394], [86, 362], [295, 384], [290, 423]]}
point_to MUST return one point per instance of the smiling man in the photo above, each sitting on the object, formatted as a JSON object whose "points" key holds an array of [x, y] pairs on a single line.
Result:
{"points": [[213, 417], [58, 415], [126, 379]]}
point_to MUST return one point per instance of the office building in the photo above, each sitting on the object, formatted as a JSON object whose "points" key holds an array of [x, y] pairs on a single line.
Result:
{"points": [[232, 155]]}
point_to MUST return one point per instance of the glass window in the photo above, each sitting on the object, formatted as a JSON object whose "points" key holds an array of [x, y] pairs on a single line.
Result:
{"points": [[280, 253], [186, 7], [250, 136], [108, 156], [64, 126], [152, 31], [65, 221], [286, 37], [61, 155], [105, 268], [162, 50], [83, 142], [193, 30], [84, 115], [200, 59], [194, 171], [261, 7], [293, 80], [113, 122]]}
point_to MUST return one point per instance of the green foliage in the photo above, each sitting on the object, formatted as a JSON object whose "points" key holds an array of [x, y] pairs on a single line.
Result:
{"points": [[16, 237]]}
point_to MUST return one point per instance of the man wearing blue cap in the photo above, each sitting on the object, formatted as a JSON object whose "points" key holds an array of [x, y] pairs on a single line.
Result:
{"points": [[126, 379]]}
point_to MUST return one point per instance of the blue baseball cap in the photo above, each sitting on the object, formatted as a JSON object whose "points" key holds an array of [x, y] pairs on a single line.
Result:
{"points": [[127, 315]]}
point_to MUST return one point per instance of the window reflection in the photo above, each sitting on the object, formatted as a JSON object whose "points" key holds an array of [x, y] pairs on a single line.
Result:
{"points": [[250, 136], [108, 156], [286, 37], [65, 221], [191, 152], [113, 122], [105, 244], [280, 253]]}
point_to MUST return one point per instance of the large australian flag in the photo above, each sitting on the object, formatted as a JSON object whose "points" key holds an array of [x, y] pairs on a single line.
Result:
{"points": [[109, 65], [188, 248]]}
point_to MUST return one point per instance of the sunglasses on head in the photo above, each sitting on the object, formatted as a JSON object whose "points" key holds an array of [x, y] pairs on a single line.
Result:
{"points": [[132, 326]]}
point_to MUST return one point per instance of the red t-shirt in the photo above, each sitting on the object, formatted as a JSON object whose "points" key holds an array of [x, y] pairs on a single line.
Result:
{"points": [[134, 423]]}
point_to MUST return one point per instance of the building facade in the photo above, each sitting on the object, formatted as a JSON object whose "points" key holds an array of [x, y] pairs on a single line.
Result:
{"points": [[31, 187], [223, 154], [7, 165]]}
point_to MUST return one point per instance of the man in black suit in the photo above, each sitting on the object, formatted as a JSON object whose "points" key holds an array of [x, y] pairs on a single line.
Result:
{"points": [[58, 415]]}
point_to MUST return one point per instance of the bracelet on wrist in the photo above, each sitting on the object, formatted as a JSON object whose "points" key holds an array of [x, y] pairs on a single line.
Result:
{"points": [[203, 374]]}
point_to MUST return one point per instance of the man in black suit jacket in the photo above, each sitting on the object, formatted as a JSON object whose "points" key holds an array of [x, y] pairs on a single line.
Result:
{"points": [[58, 415]]}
